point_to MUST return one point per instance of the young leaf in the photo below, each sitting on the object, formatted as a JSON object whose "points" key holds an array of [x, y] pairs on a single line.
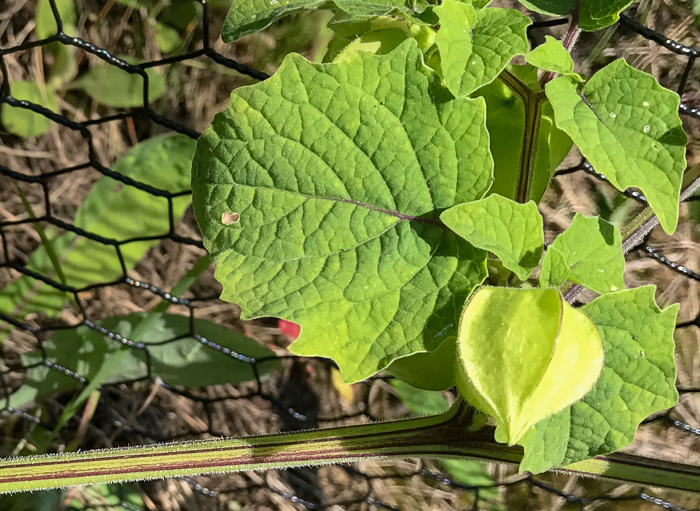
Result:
{"points": [[511, 231], [589, 253], [337, 172], [185, 361], [475, 46], [593, 14], [628, 127], [248, 16], [638, 380], [551, 56], [521, 375], [23, 122], [161, 162], [114, 87]]}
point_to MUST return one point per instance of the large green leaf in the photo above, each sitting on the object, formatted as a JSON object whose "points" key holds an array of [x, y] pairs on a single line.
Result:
{"points": [[522, 375], [505, 119], [475, 46], [337, 173], [23, 122], [589, 253], [593, 14], [628, 127], [638, 380], [512, 231], [185, 361], [112, 86], [113, 210], [248, 16]]}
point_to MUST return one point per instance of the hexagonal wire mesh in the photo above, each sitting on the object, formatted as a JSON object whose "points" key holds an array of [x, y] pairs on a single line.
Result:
{"points": [[287, 401]]}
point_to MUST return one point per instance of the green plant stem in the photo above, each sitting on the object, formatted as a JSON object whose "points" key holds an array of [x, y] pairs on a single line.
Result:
{"points": [[532, 102], [447, 435], [568, 42]]}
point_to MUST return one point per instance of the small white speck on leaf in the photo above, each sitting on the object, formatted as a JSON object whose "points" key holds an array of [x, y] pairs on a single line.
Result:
{"points": [[647, 128], [613, 115], [646, 103], [230, 218]]}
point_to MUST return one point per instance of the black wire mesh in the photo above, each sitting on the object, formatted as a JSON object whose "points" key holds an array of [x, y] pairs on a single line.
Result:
{"points": [[291, 398]]}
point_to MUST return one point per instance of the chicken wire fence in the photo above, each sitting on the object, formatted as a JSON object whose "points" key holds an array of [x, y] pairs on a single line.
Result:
{"points": [[291, 399]]}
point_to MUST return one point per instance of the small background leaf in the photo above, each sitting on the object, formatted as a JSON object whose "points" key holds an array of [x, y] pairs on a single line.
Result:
{"points": [[23, 122], [45, 21], [185, 361], [162, 162], [114, 87]]}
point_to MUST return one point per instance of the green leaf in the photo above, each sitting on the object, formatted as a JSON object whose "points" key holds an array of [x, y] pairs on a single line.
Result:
{"points": [[505, 120], [378, 42], [23, 122], [551, 56], [185, 361], [430, 371], [638, 380], [162, 162], [593, 14], [474, 473], [511, 231], [47, 500], [114, 87], [589, 253], [45, 21], [522, 375], [167, 38], [635, 141], [248, 16], [107, 368], [338, 172], [475, 46], [419, 401], [109, 497]]}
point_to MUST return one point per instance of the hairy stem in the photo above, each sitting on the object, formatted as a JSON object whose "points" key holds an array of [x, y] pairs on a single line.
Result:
{"points": [[532, 102], [447, 435], [568, 42]]}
